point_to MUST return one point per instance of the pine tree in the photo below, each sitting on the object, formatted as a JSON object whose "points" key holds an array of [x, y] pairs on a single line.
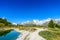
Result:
{"points": [[51, 24], [57, 26]]}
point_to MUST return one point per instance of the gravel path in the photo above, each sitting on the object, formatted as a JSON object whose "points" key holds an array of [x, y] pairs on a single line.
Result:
{"points": [[26, 35], [23, 35]]}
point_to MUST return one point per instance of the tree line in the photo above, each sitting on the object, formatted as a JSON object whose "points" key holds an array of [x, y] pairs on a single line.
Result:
{"points": [[52, 24], [5, 22]]}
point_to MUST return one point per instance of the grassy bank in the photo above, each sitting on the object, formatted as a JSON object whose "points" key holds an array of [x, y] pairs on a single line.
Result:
{"points": [[51, 34], [4, 32]]}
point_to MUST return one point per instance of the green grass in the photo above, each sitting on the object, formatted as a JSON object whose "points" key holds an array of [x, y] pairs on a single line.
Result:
{"points": [[46, 34], [51, 34]]}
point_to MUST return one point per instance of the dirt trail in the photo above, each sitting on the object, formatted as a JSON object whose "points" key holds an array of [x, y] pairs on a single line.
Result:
{"points": [[26, 35]]}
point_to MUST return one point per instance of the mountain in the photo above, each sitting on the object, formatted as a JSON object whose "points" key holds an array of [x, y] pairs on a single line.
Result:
{"points": [[4, 21], [40, 22], [14, 23], [36, 22], [57, 21]]}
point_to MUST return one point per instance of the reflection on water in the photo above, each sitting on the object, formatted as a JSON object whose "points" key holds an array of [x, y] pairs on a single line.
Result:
{"points": [[4, 32], [12, 35]]}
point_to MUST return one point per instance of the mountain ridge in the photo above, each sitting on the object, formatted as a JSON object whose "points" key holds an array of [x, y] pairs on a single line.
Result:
{"points": [[39, 22]]}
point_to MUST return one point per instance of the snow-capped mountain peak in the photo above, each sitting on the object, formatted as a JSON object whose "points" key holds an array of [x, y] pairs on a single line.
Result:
{"points": [[14, 23], [37, 22]]}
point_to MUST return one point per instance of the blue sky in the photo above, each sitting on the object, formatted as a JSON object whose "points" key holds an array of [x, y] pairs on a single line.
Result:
{"points": [[22, 10]]}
